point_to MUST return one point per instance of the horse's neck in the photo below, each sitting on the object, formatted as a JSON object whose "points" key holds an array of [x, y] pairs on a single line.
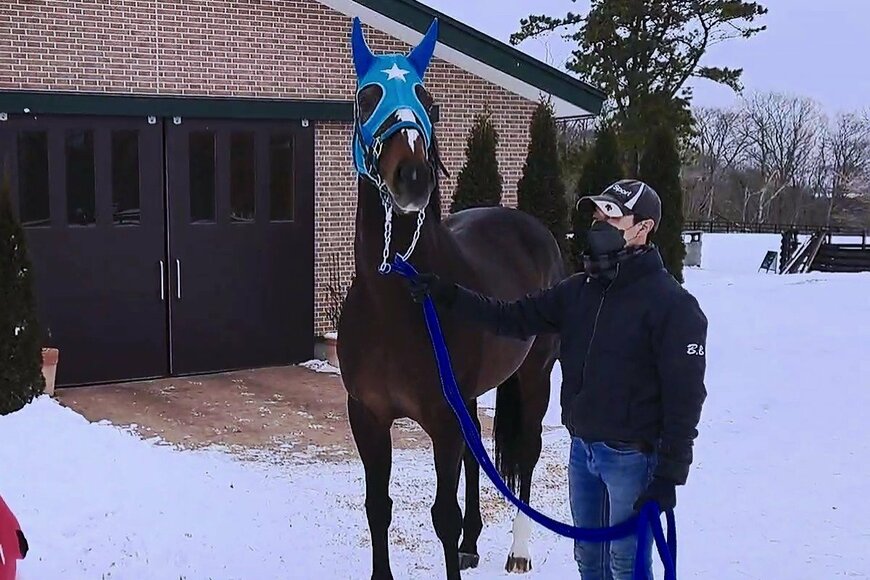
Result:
{"points": [[433, 246]]}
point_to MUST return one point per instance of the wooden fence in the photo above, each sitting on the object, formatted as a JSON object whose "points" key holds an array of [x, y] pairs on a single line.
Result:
{"points": [[728, 227], [842, 258]]}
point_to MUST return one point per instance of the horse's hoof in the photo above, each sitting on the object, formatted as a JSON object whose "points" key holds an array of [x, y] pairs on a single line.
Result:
{"points": [[517, 565], [467, 560]]}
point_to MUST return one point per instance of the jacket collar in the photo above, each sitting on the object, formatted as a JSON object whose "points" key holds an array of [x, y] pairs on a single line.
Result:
{"points": [[634, 268]]}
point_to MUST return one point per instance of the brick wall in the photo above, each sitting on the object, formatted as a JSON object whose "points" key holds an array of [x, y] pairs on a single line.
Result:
{"points": [[250, 48]]}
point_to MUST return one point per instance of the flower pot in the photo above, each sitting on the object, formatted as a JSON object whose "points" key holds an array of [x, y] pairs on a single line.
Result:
{"points": [[49, 368], [330, 341]]}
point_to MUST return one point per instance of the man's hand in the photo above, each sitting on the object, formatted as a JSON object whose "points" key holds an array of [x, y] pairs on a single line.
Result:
{"points": [[428, 283], [659, 490]]}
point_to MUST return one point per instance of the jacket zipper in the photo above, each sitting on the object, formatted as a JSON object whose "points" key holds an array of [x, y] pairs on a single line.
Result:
{"points": [[595, 328], [592, 338]]}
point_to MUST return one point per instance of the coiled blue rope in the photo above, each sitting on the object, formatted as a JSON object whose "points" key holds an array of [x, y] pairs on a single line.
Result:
{"points": [[640, 524]]}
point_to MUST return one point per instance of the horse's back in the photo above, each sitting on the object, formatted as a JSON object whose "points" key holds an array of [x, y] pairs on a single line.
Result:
{"points": [[510, 252]]}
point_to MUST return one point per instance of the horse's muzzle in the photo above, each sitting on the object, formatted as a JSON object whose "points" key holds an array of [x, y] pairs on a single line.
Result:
{"points": [[414, 182]]}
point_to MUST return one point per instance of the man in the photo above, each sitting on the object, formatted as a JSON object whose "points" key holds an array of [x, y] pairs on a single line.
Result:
{"points": [[633, 362]]}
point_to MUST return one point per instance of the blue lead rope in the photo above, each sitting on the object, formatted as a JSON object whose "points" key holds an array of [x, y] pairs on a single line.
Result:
{"points": [[640, 524]]}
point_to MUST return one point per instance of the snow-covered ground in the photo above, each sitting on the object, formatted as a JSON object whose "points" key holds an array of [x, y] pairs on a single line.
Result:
{"points": [[778, 489]]}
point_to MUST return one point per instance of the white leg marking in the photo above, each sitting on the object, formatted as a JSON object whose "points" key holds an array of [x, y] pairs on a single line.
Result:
{"points": [[522, 534]]}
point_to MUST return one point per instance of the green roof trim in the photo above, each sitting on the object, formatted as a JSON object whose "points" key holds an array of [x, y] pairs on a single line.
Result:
{"points": [[68, 103], [492, 52]]}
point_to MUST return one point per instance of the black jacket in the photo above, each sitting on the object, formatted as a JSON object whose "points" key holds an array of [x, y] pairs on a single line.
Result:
{"points": [[632, 354]]}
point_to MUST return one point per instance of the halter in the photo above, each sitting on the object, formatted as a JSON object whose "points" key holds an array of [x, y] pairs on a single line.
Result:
{"points": [[398, 77], [370, 157]]}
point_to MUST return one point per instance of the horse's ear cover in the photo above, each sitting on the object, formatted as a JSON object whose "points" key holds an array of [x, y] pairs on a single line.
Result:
{"points": [[420, 56], [362, 54], [397, 75]]}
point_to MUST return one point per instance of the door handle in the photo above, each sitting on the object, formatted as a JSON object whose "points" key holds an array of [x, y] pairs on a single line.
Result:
{"points": [[162, 283], [178, 278]]}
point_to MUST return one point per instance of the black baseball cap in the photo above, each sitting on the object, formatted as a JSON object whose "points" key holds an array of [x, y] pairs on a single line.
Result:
{"points": [[629, 197]]}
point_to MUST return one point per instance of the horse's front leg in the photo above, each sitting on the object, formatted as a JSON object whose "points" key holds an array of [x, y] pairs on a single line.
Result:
{"points": [[472, 524], [372, 436], [446, 515]]}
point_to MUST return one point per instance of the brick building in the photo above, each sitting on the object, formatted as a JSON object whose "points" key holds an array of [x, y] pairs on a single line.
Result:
{"points": [[183, 172]]}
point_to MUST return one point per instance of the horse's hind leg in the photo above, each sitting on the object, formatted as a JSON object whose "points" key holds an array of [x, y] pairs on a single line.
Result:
{"points": [[446, 516], [372, 437], [472, 523], [533, 387]]}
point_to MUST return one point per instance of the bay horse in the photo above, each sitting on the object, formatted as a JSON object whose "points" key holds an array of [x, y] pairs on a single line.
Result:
{"points": [[386, 358]]}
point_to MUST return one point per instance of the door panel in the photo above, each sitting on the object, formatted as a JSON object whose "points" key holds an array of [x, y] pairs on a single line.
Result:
{"points": [[129, 288], [89, 193], [241, 282]]}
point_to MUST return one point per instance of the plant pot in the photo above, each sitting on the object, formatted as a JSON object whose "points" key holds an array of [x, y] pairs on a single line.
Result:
{"points": [[330, 342], [49, 368], [325, 348]]}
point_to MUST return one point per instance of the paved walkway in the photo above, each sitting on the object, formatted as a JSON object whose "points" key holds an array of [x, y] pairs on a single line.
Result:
{"points": [[286, 413]]}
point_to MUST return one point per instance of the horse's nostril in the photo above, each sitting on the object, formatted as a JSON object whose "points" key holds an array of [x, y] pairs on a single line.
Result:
{"points": [[409, 172]]}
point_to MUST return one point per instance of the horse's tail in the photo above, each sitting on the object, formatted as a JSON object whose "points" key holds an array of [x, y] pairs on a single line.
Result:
{"points": [[508, 432]]}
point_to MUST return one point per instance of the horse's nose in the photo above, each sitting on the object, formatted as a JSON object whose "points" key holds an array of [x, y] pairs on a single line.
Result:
{"points": [[414, 177]]}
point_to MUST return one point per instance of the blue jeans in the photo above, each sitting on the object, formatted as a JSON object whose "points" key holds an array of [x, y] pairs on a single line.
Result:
{"points": [[603, 484]]}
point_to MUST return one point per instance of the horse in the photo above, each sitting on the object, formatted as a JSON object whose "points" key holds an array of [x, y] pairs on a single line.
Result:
{"points": [[385, 355]]}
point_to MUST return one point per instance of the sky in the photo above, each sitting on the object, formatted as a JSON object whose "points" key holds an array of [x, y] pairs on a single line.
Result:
{"points": [[811, 48]]}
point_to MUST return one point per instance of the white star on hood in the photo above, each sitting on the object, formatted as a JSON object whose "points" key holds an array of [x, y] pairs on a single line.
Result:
{"points": [[395, 73]]}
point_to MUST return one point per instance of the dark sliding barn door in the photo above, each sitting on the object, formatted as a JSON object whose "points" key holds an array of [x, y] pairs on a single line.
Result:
{"points": [[88, 192], [161, 248], [241, 243]]}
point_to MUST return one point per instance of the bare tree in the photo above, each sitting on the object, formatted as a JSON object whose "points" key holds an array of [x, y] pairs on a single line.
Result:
{"points": [[767, 193], [573, 138], [778, 158], [848, 153], [720, 142], [782, 134]]}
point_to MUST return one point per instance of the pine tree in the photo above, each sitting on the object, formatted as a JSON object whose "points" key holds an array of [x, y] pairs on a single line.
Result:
{"points": [[20, 337], [601, 168], [660, 168], [643, 55], [479, 182], [541, 191]]}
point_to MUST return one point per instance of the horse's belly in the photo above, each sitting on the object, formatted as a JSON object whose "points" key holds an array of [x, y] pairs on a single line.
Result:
{"points": [[500, 359]]}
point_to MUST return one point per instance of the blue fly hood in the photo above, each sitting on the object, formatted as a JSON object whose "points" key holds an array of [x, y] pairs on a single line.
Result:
{"points": [[389, 97]]}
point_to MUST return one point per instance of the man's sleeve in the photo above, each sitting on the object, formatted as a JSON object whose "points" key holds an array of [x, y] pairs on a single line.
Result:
{"points": [[537, 313], [682, 358]]}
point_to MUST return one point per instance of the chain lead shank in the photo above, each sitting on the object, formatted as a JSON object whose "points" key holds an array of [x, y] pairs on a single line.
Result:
{"points": [[385, 266]]}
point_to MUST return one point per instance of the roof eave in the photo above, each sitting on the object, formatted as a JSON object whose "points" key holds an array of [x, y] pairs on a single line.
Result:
{"points": [[478, 53]]}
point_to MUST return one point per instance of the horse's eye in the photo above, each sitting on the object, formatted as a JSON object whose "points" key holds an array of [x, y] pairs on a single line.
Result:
{"points": [[367, 101], [425, 98]]}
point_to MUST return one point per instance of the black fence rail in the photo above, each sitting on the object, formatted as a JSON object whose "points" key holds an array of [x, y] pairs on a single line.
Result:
{"points": [[728, 227], [842, 258]]}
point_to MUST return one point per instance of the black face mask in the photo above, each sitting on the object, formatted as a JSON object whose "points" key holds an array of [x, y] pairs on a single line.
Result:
{"points": [[604, 239]]}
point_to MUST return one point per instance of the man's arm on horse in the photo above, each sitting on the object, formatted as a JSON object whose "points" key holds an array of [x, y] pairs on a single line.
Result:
{"points": [[681, 360], [536, 313]]}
